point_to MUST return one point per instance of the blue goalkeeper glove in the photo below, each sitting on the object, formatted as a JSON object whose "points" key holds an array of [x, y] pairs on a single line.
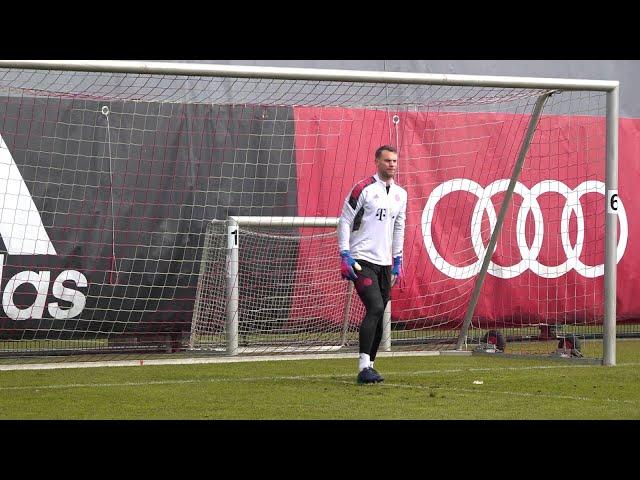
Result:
{"points": [[396, 272], [348, 265]]}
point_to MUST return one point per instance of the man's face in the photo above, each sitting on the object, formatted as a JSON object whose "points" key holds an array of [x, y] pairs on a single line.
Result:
{"points": [[387, 164]]}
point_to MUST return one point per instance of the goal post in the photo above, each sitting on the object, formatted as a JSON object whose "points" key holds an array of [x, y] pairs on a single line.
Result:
{"points": [[202, 200], [526, 142], [225, 255], [611, 227]]}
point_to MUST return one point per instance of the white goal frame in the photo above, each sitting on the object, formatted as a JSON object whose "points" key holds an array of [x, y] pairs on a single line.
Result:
{"points": [[611, 88], [234, 226]]}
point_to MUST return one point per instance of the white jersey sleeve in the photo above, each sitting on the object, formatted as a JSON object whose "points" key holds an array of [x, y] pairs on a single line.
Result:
{"points": [[352, 204], [398, 230]]}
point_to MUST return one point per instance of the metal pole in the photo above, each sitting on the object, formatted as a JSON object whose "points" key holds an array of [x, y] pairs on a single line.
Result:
{"points": [[611, 230], [385, 344], [255, 221], [335, 75], [233, 290], [535, 116], [345, 314], [198, 308]]}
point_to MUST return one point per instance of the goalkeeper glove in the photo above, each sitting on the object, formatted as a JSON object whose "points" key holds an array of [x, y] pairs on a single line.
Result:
{"points": [[396, 272], [347, 266]]}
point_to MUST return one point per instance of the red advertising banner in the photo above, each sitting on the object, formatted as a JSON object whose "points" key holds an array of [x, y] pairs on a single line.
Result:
{"points": [[548, 263]]}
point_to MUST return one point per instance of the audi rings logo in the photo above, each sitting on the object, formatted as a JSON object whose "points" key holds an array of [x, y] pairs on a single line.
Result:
{"points": [[529, 203]]}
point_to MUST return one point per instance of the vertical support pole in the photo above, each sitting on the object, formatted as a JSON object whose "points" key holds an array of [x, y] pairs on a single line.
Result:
{"points": [[611, 230], [385, 343], [533, 123], [202, 280], [233, 288], [345, 314]]}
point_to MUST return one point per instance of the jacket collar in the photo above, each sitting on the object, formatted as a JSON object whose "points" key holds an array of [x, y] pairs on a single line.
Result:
{"points": [[379, 180]]}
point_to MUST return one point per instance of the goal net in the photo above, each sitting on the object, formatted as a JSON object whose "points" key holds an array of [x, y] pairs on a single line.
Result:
{"points": [[268, 284], [121, 189]]}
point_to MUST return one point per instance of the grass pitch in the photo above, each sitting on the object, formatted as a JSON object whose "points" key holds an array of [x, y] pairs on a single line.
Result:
{"points": [[439, 387]]}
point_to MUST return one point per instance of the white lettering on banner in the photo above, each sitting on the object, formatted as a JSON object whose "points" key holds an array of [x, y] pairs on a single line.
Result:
{"points": [[20, 223], [75, 297], [529, 203], [40, 281], [23, 233]]}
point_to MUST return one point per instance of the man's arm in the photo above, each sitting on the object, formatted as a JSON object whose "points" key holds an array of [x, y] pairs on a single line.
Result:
{"points": [[345, 223], [397, 246]]}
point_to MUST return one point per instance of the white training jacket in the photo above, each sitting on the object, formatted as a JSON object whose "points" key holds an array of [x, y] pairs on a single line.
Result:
{"points": [[371, 226]]}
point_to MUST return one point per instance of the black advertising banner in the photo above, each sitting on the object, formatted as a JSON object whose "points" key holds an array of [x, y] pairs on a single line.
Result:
{"points": [[105, 206]]}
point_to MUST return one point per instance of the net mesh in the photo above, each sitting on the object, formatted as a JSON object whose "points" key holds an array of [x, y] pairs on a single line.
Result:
{"points": [[131, 177], [289, 298]]}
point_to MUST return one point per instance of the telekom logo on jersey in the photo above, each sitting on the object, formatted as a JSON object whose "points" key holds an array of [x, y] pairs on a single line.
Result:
{"points": [[23, 233], [528, 254]]}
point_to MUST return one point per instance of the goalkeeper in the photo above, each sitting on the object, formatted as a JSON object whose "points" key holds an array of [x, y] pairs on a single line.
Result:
{"points": [[370, 239]]}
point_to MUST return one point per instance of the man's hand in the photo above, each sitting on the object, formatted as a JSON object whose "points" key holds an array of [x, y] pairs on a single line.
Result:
{"points": [[348, 265], [397, 272]]}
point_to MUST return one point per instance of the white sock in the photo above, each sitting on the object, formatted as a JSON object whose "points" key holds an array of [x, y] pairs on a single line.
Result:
{"points": [[371, 365], [364, 361]]}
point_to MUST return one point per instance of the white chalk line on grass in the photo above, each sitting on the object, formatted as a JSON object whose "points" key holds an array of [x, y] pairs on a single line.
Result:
{"points": [[320, 377], [220, 360], [215, 360], [229, 359], [465, 391]]}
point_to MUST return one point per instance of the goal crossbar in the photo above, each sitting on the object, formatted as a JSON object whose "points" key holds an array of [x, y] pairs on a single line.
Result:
{"points": [[287, 73]]}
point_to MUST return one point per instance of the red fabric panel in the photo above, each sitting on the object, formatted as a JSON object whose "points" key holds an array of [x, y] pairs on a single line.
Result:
{"points": [[335, 148]]}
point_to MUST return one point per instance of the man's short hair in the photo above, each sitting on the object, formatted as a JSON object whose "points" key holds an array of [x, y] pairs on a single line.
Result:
{"points": [[388, 148]]}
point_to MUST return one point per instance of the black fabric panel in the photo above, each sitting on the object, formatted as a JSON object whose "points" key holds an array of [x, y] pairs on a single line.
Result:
{"points": [[357, 220], [173, 168]]}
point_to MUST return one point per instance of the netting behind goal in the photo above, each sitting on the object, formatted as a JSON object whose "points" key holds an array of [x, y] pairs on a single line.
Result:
{"points": [[118, 187], [288, 296]]}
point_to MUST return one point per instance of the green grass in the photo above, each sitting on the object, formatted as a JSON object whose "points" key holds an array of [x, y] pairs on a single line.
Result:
{"points": [[416, 388]]}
